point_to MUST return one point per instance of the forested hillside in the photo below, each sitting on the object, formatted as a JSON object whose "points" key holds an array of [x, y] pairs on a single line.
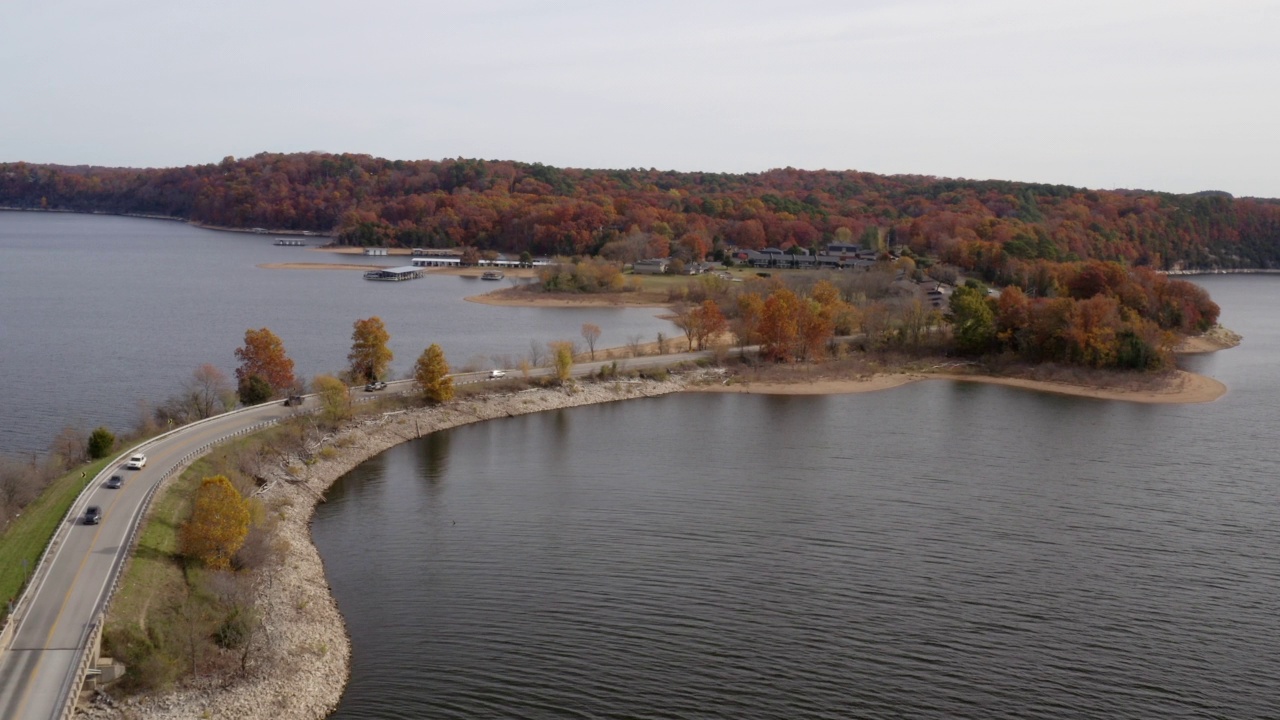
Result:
{"points": [[985, 226]]}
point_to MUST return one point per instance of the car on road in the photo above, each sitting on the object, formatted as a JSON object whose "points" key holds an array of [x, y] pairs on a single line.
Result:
{"points": [[115, 481], [137, 462], [293, 400], [375, 386], [92, 515], [495, 374]]}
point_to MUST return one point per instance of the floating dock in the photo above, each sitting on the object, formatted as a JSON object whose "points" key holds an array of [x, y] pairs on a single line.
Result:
{"points": [[395, 274], [290, 243]]}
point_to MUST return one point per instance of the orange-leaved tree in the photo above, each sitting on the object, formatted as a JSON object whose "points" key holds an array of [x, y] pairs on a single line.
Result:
{"points": [[780, 325], [263, 356], [369, 355], [218, 524], [710, 322]]}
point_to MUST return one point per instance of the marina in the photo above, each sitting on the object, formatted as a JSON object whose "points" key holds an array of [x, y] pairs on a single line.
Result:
{"points": [[395, 274]]}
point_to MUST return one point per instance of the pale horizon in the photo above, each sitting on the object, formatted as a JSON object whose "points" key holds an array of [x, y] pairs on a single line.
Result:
{"points": [[1169, 97]]}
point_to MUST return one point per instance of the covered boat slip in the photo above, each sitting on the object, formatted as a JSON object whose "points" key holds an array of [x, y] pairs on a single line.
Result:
{"points": [[395, 274]]}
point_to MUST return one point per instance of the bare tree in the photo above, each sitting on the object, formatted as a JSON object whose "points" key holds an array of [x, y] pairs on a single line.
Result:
{"points": [[208, 392], [70, 447], [634, 344], [18, 486], [591, 333], [537, 353]]}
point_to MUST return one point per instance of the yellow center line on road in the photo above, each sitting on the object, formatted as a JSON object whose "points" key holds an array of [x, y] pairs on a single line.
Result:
{"points": [[35, 672]]}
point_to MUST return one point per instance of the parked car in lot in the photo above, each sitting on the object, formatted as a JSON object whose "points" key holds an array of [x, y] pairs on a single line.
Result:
{"points": [[494, 374], [92, 515], [375, 386], [137, 462], [115, 481]]}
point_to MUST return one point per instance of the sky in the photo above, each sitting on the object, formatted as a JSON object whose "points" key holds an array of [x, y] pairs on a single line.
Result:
{"points": [[1171, 95]]}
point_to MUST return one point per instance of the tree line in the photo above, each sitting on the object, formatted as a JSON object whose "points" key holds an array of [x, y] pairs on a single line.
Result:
{"points": [[514, 207]]}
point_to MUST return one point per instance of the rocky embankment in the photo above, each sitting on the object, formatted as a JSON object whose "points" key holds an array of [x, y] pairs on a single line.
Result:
{"points": [[300, 669]]}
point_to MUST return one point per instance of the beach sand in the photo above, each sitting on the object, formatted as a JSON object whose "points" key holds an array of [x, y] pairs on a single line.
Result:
{"points": [[1182, 387]]}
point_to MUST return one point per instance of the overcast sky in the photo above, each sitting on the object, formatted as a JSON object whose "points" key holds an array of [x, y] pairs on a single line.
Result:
{"points": [[1175, 95]]}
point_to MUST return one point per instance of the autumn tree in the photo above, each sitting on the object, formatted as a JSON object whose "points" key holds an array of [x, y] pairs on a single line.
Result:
{"points": [[335, 397], [780, 325], [263, 356], [686, 318], [431, 374], [217, 525], [710, 322], [746, 326], [815, 326], [591, 333], [369, 355], [562, 356]]}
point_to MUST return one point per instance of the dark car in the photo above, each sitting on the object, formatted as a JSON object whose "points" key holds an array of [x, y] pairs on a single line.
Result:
{"points": [[92, 515], [293, 401], [115, 482], [375, 386]]}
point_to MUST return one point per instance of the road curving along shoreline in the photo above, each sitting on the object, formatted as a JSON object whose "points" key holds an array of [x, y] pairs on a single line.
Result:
{"points": [[303, 671]]}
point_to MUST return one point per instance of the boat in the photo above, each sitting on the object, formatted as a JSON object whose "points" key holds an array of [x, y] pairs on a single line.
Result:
{"points": [[289, 243], [492, 275]]}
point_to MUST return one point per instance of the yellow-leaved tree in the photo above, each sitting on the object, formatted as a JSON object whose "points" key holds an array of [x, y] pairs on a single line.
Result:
{"points": [[335, 397], [369, 356], [218, 524], [562, 354], [431, 373]]}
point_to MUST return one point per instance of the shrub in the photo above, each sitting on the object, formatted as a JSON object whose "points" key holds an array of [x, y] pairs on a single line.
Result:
{"points": [[101, 443]]}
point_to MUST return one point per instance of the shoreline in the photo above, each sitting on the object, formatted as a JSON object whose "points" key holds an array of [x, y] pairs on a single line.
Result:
{"points": [[1187, 387], [303, 672], [516, 297]]}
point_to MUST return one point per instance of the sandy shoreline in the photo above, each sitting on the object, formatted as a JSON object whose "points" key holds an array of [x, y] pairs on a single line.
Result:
{"points": [[1184, 387], [515, 297]]}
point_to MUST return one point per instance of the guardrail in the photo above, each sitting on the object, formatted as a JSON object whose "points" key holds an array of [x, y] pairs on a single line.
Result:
{"points": [[21, 608], [41, 567], [71, 687]]}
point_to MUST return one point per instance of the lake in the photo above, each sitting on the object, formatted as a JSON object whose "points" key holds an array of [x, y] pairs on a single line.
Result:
{"points": [[100, 312], [939, 550]]}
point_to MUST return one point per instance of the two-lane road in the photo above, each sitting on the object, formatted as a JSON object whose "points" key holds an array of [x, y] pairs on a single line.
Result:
{"points": [[41, 664]]}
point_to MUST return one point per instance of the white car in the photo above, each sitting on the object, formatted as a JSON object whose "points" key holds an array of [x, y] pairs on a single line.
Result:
{"points": [[137, 462], [497, 373]]}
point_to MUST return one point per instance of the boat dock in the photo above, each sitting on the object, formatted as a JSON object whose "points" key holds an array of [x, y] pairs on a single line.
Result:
{"points": [[395, 274], [290, 243]]}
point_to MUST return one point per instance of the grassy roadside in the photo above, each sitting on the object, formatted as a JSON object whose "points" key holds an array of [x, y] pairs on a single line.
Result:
{"points": [[26, 538], [154, 574]]}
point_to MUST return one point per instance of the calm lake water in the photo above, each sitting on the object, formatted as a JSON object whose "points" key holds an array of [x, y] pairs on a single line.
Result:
{"points": [[99, 312], [940, 550]]}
